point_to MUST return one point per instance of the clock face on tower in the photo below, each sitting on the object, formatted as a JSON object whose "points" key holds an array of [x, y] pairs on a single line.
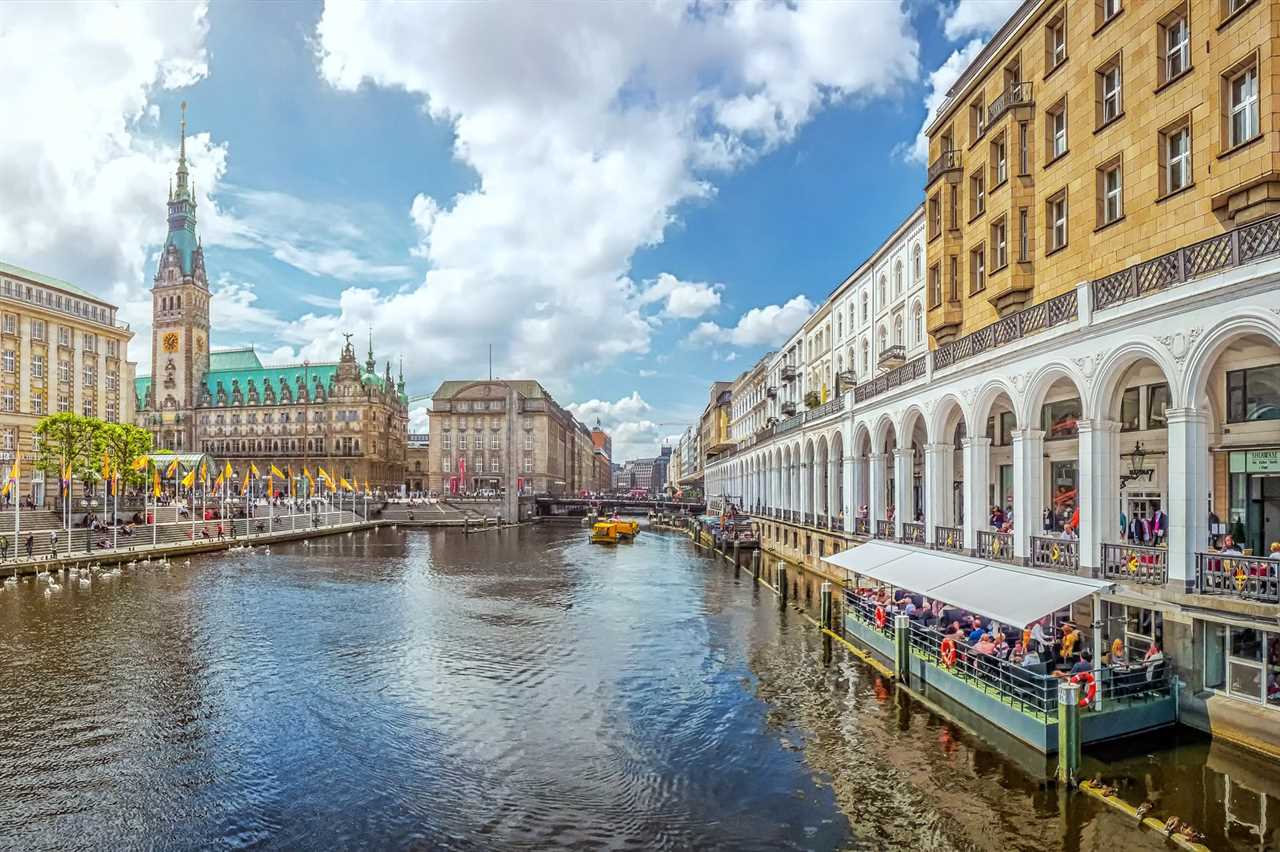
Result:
{"points": [[171, 342]]}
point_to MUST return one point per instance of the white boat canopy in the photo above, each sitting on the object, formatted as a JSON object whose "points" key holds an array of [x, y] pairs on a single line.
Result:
{"points": [[1006, 593]]}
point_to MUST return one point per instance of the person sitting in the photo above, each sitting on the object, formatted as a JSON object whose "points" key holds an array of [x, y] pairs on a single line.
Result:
{"points": [[1154, 653], [1084, 664], [1070, 638], [1002, 649], [985, 645], [1029, 658], [976, 634], [1116, 656], [1229, 545], [204, 532]]}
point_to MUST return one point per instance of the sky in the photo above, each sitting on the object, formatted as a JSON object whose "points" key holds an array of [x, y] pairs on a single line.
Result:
{"points": [[628, 201]]}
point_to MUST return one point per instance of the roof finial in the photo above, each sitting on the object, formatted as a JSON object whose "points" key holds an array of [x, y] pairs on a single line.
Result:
{"points": [[401, 368], [182, 152]]}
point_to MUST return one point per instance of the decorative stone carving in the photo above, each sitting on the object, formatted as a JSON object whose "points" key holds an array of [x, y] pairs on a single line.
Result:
{"points": [[1179, 343]]}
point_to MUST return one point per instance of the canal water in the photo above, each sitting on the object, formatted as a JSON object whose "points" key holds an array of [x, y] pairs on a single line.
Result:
{"points": [[511, 690]]}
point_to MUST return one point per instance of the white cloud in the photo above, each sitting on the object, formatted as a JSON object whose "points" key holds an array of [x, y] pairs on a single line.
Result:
{"points": [[83, 182], [588, 125], [648, 374], [420, 419], [608, 413], [940, 81], [978, 17], [681, 299], [770, 325], [634, 436]]}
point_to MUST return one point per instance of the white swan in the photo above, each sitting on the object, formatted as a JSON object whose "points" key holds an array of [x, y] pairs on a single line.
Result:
{"points": [[84, 583], [56, 587]]}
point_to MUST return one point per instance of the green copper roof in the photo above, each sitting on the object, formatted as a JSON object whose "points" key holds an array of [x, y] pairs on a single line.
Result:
{"points": [[185, 241], [234, 359], [261, 376], [48, 281], [140, 386]]}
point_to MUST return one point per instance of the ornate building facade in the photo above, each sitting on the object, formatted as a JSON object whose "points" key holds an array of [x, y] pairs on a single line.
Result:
{"points": [[339, 415]]}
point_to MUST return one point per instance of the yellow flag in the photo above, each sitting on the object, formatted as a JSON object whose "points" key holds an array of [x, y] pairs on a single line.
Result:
{"points": [[106, 465], [189, 480], [306, 474], [217, 483], [204, 473], [366, 485], [140, 463], [173, 468], [271, 487], [155, 481], [275, 471], [226, 472], [244, 486], [253, 469], [346, 486]]}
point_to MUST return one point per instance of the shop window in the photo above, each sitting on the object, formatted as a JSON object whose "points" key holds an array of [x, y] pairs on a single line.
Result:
{"points": [[1064, 481], [1135, 626], [1243, 662], [1061, 418], [1157, 406], [1129, 413], [1253, 394]]}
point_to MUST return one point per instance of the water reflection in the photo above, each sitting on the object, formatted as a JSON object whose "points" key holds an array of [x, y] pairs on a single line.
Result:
{"points": [[516, 689]]}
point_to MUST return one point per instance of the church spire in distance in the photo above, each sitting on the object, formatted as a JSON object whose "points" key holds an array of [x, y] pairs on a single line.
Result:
{"points": [[183, 191]]}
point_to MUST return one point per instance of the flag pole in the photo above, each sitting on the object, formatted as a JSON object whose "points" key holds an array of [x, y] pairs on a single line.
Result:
{"points": [[115, 510]]}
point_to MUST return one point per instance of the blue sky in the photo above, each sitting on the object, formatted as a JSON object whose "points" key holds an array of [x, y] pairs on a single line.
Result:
{"points": [[581, 185]]}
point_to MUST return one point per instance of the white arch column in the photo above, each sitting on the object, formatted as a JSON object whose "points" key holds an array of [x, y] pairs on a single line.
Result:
{"points": [[1189, 484], [806, 487], [939, 472], [850, 503], [977, 472], [1099, 495], [876, 489], [834, 484], [1028, 488], [903, 482]]}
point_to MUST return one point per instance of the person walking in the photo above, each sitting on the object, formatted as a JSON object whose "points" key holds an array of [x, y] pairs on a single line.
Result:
{"points": [[30, 543], [4, 547], [53, 544]]}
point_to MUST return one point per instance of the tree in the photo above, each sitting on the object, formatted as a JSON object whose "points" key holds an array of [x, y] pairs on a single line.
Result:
{"points": [[123, 444], [66, 440]]}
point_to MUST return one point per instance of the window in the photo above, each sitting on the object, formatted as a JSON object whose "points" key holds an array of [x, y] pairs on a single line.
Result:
{"points": [[1108, 89], [10, 324], [494, 466], [917, 324], [935, 286], [528, 464], [1158, 401], [1024, 238], [954, 295], [113, 348], [1242, 90], [1175, 46], [897, 282], [64, 401], [917, 265], [1057, 129], [90, 342], [113, 412], [1253, 394], [1055, 40], [977, 119], [88, 409], [10, 360], [977, 269], [935, 216], [1110, 192], [7, 401], [493, 442], [978, 195], [37, 329], [1024, 154], [1175, 156], [1239, 661], [1129, 413], [1061, 418], [1056, 217], [999, 161], [37, 366], [64, 371], [37, 402], [1106, 10], [897, 330], [999, 244], [1230, 7], [528, 441], [866, 308], [64, 336], [884, 290]]}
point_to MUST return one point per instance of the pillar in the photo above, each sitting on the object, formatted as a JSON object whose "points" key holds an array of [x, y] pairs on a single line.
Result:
{"points": [[850, 502], [824, 596], [1099, 490], [901, 647], [1189, 484], [977, 471], [903, 480], [782, 584], [1028, 488], [834, 483], [1068, 732], [939, 472], [875, 489]]}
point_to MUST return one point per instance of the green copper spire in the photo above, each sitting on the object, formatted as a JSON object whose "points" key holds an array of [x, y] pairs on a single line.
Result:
{"points": [[183, 191]]}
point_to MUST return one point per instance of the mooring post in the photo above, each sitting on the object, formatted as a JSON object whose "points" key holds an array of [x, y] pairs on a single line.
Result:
{"points": [[782, 584], [466, 525], [755, 564], [824, 597], [1068, 732], [737, 553], [901, 647]]}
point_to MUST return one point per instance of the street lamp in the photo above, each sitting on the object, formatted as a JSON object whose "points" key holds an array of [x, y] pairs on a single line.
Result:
{"points": [[1137, 468]]}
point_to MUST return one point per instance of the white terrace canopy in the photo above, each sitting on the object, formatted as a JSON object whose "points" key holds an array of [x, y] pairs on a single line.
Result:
{"points": [[1005, 593]]}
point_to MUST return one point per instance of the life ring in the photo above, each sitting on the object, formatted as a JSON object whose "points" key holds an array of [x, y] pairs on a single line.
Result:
{"points": [[881, 618], [947, 650], [1090, 691]]}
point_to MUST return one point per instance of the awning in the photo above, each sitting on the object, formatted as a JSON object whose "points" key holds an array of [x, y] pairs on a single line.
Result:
{"points": [[1008, 594]]}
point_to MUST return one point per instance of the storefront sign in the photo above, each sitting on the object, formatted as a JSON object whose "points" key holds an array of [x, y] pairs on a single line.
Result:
{"points": [[1256, 461]]}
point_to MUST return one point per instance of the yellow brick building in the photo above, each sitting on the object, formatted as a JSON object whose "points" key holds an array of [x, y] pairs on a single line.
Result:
{"points": [[1088, 136]]}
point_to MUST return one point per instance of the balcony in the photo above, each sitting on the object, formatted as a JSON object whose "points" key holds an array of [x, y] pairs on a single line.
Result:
{"points": [[1250, 578], [913, 369], [995, 545], [788, 409], [771, 392], [846, 381], [892, 357], [861, 526], [948, 161], [788, 372], [913, 534], [948, 538], [884, 530], [1017, 95], [1131, 563], [1046, 315], [1055, 554]]}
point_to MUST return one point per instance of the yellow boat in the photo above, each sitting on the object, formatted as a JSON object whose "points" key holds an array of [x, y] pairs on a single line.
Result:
{"points": [[612, 532]]}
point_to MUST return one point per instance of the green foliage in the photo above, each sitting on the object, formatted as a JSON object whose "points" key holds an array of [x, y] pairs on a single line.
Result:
{"points": [[64, 438], [124, 443], [812, 399]]}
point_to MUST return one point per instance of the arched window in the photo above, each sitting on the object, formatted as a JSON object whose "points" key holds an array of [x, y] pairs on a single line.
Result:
{"points": [[897, 330], [917, 269], [884, 289], [884, 338], [865, 310], [897, 279], [866, 356], [839, 364], [917, 323], [839, 326]]}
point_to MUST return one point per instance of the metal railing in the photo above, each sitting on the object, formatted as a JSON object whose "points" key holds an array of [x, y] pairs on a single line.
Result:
{"points": [[834, 524], [1047, 314], [910, 371], [1245, 244], [808, 519], [861, 526], [822, 521], [947, 161], [884, 529], [831, 406], [1247, 577], [864, 609], [897, 352], [913, 533], [948, 538], [788, 372], [995, 545], [1016, 95], [1132, 563], [1056, 554]]}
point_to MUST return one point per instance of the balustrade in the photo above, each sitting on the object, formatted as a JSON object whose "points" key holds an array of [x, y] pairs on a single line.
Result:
{"points": [[948, 538], [884, 529], [1252, 578], [861, 526], [995, 545], [913, 533], [1131, 563], [1056, 554]]}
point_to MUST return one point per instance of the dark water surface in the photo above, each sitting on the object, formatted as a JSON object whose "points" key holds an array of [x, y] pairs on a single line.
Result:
{"points": [[510, 690]]}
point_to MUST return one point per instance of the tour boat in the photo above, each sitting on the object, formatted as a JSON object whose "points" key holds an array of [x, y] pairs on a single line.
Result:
{"points": [[613, 531]]}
